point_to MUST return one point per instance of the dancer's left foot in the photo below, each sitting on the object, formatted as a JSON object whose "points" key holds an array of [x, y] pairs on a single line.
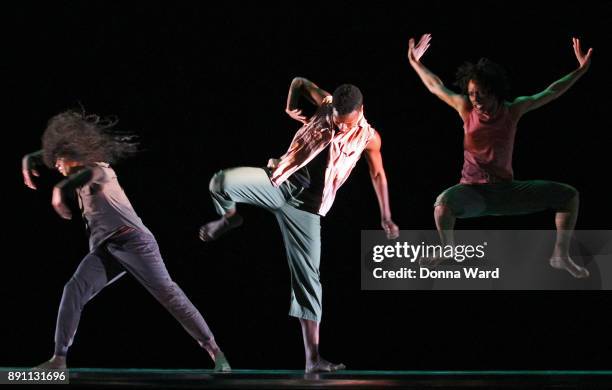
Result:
{"points": [[568, 264], [323, 365]]}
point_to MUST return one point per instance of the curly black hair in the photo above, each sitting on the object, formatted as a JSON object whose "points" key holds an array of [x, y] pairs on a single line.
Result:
{"points": [[489, 76], [86, 138], [347, 98]]}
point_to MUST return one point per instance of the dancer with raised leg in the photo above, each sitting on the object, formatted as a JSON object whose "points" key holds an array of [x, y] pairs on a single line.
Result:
{"points": [[300, 188]]}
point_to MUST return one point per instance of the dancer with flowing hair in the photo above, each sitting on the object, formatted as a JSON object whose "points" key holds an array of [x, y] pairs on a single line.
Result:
{"points": [[81, 147]]}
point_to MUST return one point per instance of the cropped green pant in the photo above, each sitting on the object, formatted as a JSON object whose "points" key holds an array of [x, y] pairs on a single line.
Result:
{"points": [[301, 230]]}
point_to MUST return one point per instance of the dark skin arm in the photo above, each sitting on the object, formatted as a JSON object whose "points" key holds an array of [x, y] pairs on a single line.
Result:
{"points": [[29, 168], [301, 87], [379, 181], [524, 104], [433, 83]]}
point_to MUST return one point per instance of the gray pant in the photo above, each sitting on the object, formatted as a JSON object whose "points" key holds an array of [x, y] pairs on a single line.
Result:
{"points": [[301, 230], [507, 198], [137, 253]]}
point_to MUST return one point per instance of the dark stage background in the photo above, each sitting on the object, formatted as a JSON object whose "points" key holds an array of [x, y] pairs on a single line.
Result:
{"points": [[205, 87]]}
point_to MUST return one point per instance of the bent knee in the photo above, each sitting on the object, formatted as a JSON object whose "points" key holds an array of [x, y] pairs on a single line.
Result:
{"points": [[76, 286], [443, 207], [217, 182], [571, 198], [72, 284], [575, 194], [443, 210]]}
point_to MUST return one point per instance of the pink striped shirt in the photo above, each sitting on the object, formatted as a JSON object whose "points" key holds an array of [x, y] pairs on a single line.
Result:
{"points": [[345, 148]]}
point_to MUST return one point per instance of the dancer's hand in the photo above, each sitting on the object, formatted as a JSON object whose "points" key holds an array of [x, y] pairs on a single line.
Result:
{"points": [[57, 201], [416, 52], [327, 99], [584, 60], [29, 165], [273, 163], [391, 229], [297, 115]]}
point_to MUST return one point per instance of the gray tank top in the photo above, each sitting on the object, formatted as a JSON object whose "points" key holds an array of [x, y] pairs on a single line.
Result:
{"points": [[106, 208]]}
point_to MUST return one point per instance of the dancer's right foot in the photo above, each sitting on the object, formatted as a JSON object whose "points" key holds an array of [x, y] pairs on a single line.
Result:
{"points": [[215, 229], [323, 365], [55, 363], [568, 264], [221, 363]]}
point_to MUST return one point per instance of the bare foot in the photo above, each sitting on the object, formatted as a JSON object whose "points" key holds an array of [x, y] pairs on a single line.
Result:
{"points": [[55, 363], [221, 363], [215, 229], [323, 365], [568, 264]]}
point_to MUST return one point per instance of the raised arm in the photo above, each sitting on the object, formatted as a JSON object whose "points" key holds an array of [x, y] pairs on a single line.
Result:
{"points": [[71, 183], [524, 104], [433, 83], [29, 167], [379, 181], [301, 87]]}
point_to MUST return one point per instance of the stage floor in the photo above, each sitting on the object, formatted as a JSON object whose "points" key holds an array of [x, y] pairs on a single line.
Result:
{"points": [[295, 379]]}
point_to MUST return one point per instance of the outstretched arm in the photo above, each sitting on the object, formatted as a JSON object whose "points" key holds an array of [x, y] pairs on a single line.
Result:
{"points": [[306, 88], [29, 168], [379, 181], [71, 183], [524, 104], [433, 83]]}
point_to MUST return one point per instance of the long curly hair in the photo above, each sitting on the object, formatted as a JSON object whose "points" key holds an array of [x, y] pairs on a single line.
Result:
{"points": [[85, 138], [488, 74]]}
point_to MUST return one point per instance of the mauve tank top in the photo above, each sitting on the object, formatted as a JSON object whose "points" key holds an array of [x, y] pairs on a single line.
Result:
{"points": [[487, 147]]}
